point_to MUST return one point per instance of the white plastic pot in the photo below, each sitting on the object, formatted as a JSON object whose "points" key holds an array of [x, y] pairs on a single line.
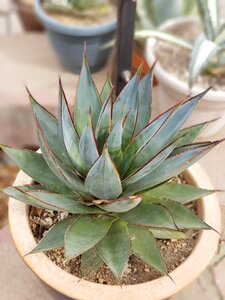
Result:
{"points": [[171, 90]]}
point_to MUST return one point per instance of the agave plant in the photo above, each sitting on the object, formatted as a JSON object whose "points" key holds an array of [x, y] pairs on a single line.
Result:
{"points": [[109, 167], [208, 50]]}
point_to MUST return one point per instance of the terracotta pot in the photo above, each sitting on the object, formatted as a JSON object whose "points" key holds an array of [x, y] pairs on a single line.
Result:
{"points": [[163, 287], [171, 89], [27, 16]]}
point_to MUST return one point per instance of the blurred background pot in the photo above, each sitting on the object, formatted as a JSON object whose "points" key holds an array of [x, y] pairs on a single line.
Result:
{"points": [[25, 9], [68, 40], [171, 89]]}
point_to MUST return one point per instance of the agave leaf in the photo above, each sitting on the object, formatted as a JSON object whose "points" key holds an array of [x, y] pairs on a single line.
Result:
{"points": [[166, 132], [84, 233], [149, 214], [104, 123], [103, 180], [69, 134], [68, 177], [145, 101], [51, 201], [150, 166], [168, 234], [121, 205], [91, 261], [169, 168], [34, 165], [49, 126], [189, 134], [87, 99], [127, 98], [202, 52], [88, 146], [182, 193], [115, 248], [34, 187], [141, 139], [209, 12], [106, 91], [145, 247], [183, 217], [114, 144], [55, 236], [184, 148]]}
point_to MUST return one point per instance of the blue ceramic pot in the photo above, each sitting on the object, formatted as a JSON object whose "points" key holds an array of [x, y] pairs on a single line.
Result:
{"points": [[68, 40]]}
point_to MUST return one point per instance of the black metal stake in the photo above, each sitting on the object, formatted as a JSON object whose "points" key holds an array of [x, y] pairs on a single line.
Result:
{"points": [[124, 43]]}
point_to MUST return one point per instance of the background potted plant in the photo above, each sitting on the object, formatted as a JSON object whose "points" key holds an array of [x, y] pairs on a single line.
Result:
{"points": [[104, 178], [191, 59], [27, 15], [71, 23]]}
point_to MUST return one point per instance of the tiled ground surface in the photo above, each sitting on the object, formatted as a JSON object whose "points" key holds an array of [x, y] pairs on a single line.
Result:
{"points": [[18, 55]]}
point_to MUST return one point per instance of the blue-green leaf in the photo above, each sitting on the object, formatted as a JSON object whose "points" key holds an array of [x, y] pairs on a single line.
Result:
{"points": [[115, 248], [144, 101], [145, 247], [119, 205], [91, 261], [103, 180], [106, 91], [69, 134], [34, 165], [88, 146], [182, 193], [84, 233], [55, 236], [87, 99]]}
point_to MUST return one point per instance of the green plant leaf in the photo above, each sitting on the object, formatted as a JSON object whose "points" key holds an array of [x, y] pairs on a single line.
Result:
{"points": [[183, 217], [91, 261], [120, 205], [209, 12], [115, 248], [34, 165], [182, 193], [68, 133], [169, 168], [166, 132], [202, 52], [141, 139], [67, 176], [55, 236], [127, 99], [164, 36], [85, 233], [104, 123], [114, 144], [88, 146], [106, 91], [144, 101], [149, 214], [168, 234], [149, 166], [51, 201], [87, 99], [103, 180], [145, 247], [49, 126], [189, 134]]}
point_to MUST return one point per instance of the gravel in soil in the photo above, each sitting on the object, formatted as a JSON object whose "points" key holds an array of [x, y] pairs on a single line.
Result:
{"points": [[175, 60], [174, 251]]}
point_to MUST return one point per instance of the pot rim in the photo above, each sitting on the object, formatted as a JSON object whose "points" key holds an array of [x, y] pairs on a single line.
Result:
{"points": [[76, 288], [74, 30], [170, 79]]}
